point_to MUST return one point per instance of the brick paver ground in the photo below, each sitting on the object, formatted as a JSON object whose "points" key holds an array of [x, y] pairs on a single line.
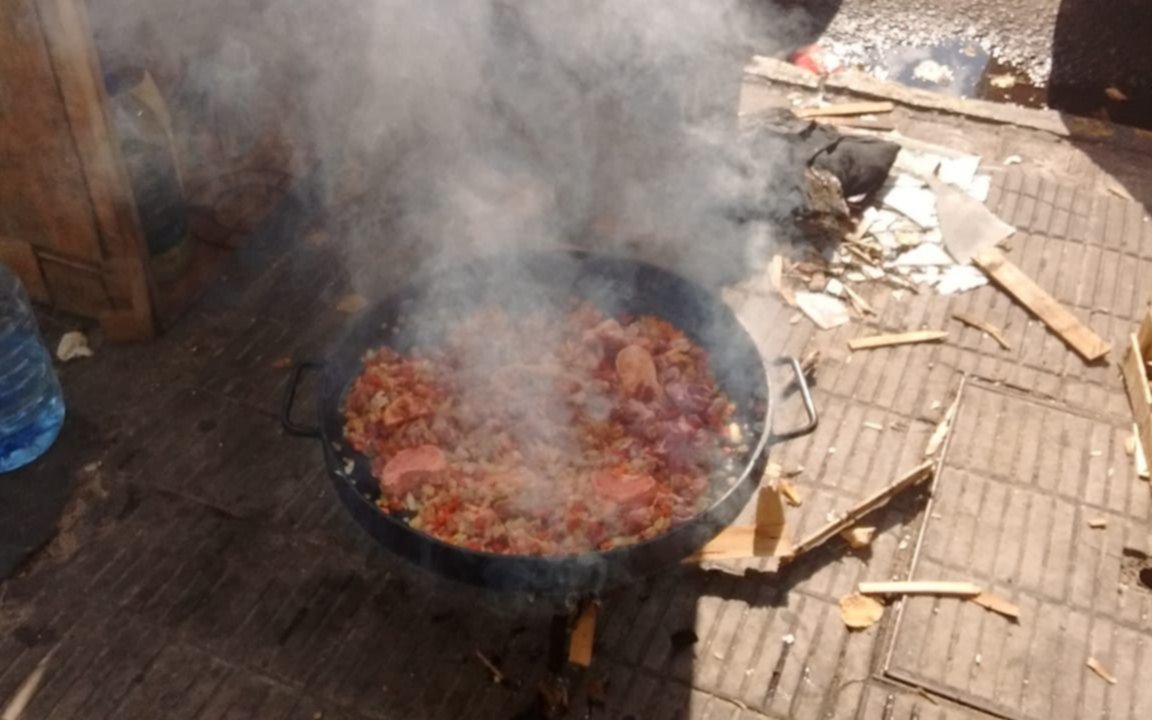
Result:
{"points": [[204, 570]]}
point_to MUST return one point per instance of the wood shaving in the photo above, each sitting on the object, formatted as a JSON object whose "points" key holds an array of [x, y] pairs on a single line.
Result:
{"points": [[73, 345], [997, 604], [788, 490], [994, 332], [1095, 666], [1116, 94], [859, 611], [497, 676], [859, 537]]}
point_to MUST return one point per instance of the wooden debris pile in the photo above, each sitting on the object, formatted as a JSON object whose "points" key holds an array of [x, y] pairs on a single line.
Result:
{"points": [[919, 233], [1138, 381], [927, 230]]}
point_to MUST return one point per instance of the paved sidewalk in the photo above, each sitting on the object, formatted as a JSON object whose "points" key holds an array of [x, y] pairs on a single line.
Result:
{"points": [[204, 570]]}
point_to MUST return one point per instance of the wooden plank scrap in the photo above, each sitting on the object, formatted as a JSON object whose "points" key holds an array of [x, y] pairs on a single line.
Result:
{"points": [[997, 604], [767, 538], [1144, 334], [843, 109], [1135, 381], [858, 122], [736, 542], [1139, 396], [776, 272], [1095, 666], [994, 332], [583, 634], [117, 229], [779, 284], [908, 338], [770, 535], [1138, 454], [876, 500], [940, 588], [1012, 280]]}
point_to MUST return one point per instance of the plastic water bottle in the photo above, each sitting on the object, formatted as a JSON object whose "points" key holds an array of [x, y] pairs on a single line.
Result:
{"points": [[31, 404]]}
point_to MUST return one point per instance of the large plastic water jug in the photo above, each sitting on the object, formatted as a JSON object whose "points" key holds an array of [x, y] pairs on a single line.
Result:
{"points": [[31, 404]]}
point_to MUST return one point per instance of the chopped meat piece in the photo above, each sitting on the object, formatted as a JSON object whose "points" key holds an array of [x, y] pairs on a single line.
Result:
{"points": [[637, 372], [408, 465], [625, 489]]}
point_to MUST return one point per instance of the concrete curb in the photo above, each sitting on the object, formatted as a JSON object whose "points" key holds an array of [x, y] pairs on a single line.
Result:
{"points": [[855, 82]]}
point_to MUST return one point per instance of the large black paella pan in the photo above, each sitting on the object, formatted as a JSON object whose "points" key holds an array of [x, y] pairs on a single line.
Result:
{"points": [[617, 286]]}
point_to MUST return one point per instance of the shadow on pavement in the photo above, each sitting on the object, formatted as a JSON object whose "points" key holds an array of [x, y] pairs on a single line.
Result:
{"points": [[1101, 66], [1102, 69]]}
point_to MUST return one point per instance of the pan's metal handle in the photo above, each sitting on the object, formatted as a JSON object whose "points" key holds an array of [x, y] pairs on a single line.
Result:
{"points": [[290, 426], [806, 396]]}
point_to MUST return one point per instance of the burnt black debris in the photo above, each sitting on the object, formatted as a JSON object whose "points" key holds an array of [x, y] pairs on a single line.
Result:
{"points": [[805, 173]]}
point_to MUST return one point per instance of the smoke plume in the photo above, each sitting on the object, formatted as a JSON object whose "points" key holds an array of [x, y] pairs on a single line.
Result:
{"points": [[473, 126]]}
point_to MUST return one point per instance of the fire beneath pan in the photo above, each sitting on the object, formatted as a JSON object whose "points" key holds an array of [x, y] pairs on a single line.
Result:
{"points": [[646, 437]]}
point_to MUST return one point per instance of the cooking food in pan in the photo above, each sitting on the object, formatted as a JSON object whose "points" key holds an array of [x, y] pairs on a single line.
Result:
{"points": [[544, 433]]}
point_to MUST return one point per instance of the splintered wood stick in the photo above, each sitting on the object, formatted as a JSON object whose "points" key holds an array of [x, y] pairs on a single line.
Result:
{"points": [[858, 122], [27, 690], [858, 302], [862, 256], [872, 502], [498, 677], [842, 109], [998, 605], [908, 338], [920, 587], [993, 331]]}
